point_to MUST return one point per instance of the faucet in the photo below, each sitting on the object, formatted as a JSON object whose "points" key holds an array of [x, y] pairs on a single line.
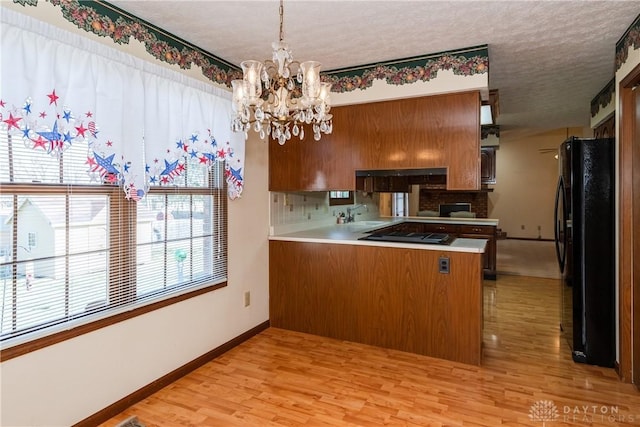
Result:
{"points": [[350, 216]]}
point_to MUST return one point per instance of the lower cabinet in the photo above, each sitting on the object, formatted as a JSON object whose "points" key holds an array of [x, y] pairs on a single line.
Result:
{"points": [[483, 232], [383, 296], [487, 232]]}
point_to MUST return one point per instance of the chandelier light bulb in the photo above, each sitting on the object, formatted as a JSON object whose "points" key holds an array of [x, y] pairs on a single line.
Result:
{"points": [[310, 80], [325, 90]]}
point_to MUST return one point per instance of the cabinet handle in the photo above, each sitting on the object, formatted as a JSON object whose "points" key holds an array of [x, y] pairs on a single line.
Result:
{"points": [[476, 230]]}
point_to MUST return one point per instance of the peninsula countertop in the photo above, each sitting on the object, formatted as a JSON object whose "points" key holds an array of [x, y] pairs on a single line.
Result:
{"points": [[350, 234]]}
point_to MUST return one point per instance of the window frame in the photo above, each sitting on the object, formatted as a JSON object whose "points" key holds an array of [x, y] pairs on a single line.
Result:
{"points": [[341, 201], [122, 262]]}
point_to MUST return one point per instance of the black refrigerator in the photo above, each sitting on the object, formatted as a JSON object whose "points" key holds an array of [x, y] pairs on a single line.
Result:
{"points": [[585, 246]]}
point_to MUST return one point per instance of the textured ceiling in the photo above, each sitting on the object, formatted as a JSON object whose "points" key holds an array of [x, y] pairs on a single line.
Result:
{"points": [[548, 59]]}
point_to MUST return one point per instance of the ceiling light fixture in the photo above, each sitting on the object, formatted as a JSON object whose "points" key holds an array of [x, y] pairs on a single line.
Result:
{"points": [[293, 96]]}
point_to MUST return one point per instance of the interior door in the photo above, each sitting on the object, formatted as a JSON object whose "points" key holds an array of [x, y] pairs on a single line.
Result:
{"points": [[629, 236]]}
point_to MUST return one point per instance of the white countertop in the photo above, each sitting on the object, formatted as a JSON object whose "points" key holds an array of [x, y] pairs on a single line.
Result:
{"points": [[447, 220], [350, 233]]}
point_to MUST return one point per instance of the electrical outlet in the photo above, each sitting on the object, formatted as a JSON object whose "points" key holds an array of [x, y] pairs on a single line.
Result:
{"points": [[443, 265], [247, 298]]}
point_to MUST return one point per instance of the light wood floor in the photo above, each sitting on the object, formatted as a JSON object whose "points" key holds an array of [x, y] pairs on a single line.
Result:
{"points": [[284, 378]]}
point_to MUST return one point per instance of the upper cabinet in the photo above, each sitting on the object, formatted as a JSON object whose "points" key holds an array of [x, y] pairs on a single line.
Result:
{"points": [[488, 165], [440, 131]]}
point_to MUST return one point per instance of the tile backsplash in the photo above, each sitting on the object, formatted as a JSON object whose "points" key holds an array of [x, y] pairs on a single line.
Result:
{"points": [[291, 212]]}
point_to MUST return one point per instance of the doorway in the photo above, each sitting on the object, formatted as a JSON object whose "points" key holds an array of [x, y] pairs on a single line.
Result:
{"points": [[629, 216]]}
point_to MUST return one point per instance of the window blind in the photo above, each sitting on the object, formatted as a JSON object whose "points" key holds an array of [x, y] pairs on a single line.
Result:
{"points": [[75, 251]]}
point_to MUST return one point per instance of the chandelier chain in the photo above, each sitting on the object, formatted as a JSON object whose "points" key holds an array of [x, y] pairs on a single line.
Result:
{"points": [[281, 20]]}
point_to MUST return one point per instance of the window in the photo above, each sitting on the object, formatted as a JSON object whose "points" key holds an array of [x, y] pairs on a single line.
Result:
{"points": [[80, 251], [113, 189], [399, 204], [338, 198], [31, 238]]}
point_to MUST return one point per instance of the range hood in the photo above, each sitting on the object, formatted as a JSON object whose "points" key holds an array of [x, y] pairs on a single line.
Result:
{"points": [[401, 172], [398, 180]]}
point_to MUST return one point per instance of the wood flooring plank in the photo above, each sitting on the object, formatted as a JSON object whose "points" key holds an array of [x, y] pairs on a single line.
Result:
{"points": [[286, 378]]}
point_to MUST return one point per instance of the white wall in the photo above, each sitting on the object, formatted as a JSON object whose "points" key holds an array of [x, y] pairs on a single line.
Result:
{"points": [[63, 384], [526, 179]]}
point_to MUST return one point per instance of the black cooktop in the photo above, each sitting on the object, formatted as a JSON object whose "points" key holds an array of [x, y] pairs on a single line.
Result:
{"points": [[406, 237]]}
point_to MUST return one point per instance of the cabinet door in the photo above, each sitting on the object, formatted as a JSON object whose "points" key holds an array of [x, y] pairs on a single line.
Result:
{"points": [[484, 232], [311, 165], [488, 165], [462, 146]]}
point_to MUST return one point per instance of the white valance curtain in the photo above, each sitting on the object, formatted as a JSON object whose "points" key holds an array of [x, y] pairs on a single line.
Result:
{"points": [[140, 124]]}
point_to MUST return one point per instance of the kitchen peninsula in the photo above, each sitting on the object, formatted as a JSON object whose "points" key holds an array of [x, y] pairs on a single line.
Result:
{"points": [[420, 298]]}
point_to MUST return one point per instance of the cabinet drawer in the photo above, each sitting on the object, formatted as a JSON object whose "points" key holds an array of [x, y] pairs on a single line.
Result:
{"points": [[440, 228], [477, 229]]}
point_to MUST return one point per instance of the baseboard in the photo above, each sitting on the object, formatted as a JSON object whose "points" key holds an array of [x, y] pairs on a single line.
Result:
{"points": [[529, 238], [146, 391]]}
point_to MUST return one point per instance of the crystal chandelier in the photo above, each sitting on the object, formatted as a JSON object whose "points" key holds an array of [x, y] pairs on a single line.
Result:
{"points": [[293, 95]]}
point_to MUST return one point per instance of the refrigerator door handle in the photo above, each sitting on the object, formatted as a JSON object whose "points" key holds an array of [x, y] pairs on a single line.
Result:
{"points": [[559, 219]]}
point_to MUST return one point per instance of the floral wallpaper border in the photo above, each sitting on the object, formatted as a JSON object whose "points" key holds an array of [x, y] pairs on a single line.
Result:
{"points": [[103, 19], [631, 37], [603, 98], [463, 62]]}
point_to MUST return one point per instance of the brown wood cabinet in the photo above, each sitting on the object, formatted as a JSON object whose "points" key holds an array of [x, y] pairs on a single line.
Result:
{"points": [[488, 165], [309, 165], [388, 297], [607, 129], [488, 232], [483, 232], [440, 131]]}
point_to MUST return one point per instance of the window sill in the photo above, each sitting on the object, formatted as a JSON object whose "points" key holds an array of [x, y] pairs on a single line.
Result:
{"points": [[55, 338]]}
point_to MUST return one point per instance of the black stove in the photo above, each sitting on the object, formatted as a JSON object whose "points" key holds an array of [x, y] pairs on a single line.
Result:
{"points": [[406, 237]]}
